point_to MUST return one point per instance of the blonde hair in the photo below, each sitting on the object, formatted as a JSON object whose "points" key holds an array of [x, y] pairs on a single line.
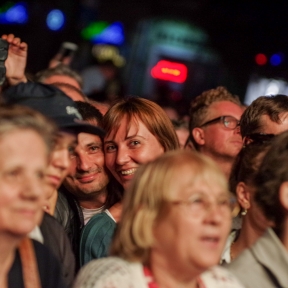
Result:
{"points": [[150, 113], [146, 197]]}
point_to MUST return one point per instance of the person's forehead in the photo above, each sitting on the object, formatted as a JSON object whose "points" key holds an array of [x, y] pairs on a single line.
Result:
{"points": [[222, 108]]}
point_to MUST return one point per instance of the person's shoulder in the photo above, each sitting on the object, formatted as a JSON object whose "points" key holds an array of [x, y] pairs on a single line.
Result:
{"points": [[219, 277], [100, 219], [242, 264], [111, 271], [52, 231], [48, 266], [51, 221]]}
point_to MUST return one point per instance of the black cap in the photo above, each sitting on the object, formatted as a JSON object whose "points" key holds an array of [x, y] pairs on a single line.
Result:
{"points": [[51, 102]]}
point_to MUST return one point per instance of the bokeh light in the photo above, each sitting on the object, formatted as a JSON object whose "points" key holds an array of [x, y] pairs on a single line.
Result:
{"points": [[55, 20], [261, 59]]}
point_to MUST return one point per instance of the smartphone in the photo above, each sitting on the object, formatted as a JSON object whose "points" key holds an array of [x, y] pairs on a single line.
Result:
{"points": [[67, 50]]}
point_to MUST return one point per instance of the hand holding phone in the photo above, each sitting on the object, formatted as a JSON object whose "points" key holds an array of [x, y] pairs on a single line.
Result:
{"points": [[65, 54]]}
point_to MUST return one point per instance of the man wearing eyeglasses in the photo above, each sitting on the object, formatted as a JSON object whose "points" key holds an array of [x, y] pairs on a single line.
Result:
{"points": [[264, 118], [214, 126]]}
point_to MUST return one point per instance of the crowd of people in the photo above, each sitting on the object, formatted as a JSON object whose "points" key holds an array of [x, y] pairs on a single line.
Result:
{"points": [[102, 195]]}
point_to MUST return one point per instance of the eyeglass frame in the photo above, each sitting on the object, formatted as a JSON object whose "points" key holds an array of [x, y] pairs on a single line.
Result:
{"points": [[221, 119], [230, 197]]}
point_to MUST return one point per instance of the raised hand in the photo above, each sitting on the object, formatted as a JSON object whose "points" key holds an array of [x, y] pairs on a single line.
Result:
{"points": [[16, 61]]}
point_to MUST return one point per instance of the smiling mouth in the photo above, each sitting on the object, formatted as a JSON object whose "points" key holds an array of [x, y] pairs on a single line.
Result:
{"points": [[87, 178], [128, 172]]}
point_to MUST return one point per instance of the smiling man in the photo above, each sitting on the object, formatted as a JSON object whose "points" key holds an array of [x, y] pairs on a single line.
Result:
{"points": [[84, 190], [214, 126]]}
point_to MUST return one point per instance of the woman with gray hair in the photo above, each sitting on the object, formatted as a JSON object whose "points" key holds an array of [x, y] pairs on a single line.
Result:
{"points": [[26, 140]]}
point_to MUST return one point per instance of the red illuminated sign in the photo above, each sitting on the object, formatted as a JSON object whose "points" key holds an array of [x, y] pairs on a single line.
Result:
{"points": [[169, 71]]}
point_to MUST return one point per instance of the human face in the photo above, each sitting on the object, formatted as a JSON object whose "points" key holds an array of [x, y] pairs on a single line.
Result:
{"points": [[126, 150], [219, 140], [59, 164], [196, 233], [87, 175], [271, 127], [23, 164]]}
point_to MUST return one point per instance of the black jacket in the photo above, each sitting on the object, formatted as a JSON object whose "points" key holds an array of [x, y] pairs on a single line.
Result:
{"points": [[70, 216], [48, 266], [57, 241]]}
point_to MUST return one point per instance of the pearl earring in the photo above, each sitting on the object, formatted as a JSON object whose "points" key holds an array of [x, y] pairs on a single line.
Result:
{"points": [[244, 212]]}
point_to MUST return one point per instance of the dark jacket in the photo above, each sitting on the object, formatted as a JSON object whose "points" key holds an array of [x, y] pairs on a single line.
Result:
{"points": [[69, 214], [48, 267], [57, 241]]}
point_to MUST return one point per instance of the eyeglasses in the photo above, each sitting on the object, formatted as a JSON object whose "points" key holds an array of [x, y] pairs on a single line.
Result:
{"points": [[228, 121], [200, 203], [258, 138]]}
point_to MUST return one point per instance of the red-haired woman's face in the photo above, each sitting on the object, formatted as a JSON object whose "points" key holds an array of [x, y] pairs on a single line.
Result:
{"points": [[126, 150]]}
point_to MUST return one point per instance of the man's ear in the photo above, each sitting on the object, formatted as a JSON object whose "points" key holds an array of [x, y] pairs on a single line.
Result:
{"points": [[199, 136], [283, 195], [243, 195]]}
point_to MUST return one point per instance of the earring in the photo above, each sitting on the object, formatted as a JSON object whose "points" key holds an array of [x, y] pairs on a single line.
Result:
{"points": [[244, 212]]}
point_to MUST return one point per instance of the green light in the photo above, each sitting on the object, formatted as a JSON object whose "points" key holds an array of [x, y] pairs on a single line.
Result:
{"points": [[93, 29], [6, 6]]}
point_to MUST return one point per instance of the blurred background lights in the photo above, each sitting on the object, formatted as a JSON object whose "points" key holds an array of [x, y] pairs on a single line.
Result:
{"points": [[169, 71], [276, 59], [113, 34], [272, 88], [261, 59], [55, 20], [14, 14], [104, 53], [102, 32]]}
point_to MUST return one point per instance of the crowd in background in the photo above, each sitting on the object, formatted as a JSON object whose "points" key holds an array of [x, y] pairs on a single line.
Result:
{"points": [[105, 190]]}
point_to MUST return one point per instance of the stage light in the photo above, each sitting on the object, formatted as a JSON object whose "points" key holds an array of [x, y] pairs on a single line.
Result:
{"points": [[276, 59], [169, 71], [55, 20], [102, 32], [14, 14], [113, 34], [261, 59]]}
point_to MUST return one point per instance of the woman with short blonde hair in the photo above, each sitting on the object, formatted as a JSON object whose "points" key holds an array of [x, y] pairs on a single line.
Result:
{"points": [[176, 218]]}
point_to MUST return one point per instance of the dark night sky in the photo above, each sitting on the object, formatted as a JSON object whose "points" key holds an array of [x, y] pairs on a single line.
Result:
{"points": [[237, 29]]}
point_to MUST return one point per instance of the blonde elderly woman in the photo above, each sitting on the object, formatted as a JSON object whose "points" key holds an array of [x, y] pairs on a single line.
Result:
{"points": [[176, 218]]}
